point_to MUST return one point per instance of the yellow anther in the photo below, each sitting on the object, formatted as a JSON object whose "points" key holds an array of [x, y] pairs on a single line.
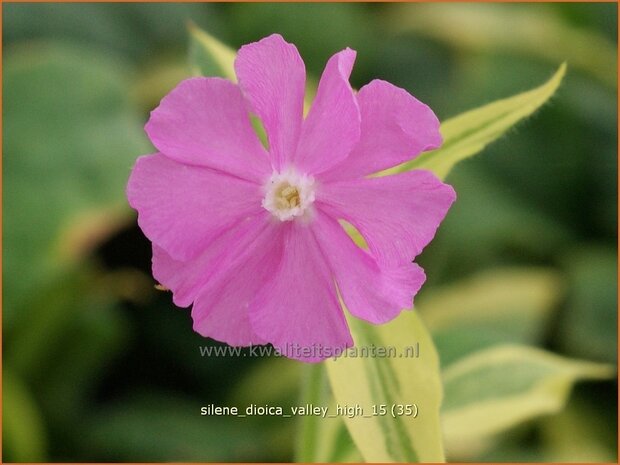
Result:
{"points": [[288, 197]]}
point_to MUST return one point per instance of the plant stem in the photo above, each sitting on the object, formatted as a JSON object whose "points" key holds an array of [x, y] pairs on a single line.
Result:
{"points": [[312, 392]]}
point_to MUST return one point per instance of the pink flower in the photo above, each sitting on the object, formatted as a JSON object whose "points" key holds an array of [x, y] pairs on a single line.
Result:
{"points": [[251, 236]]}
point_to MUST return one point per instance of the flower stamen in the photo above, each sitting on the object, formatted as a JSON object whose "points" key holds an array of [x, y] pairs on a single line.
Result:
{"points": [[288, 195]]}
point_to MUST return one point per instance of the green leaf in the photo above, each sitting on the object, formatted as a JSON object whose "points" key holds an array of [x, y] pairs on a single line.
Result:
{"points": [[23, 433], [504, 305], [470, 132], [208, 56], [372, 381], [497, 388]]}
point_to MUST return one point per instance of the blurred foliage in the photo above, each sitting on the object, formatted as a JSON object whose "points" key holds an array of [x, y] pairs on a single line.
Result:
{"points": [[72, 186], [594, 443], [495, 307], [487, 28], [22, 421], [100, 366]]}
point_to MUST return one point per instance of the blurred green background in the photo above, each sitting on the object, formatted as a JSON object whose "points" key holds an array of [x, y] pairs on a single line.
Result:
{"points": [[99, 366]]}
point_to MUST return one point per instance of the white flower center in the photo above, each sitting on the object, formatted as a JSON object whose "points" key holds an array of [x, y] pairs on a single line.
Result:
{"points": [[289, 195]]}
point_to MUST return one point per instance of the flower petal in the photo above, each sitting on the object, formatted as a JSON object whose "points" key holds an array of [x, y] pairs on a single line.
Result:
{"points": [[204, 122], [332, 128], [272, 76], [397, 215], [370, 291], [181, 208], [183, 279], [298, 311], [221, 308], [396, 127], [186, 279]]}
